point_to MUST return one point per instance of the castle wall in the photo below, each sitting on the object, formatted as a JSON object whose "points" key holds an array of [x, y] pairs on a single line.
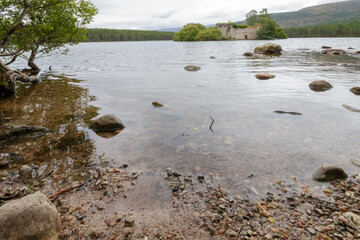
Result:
{"points": [[229, 32]]}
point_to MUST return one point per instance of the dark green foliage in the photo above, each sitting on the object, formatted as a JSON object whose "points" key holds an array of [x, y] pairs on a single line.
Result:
{"points": [[269, 28], [209, 34], [251, 17], [197, 32], [188, 33], [111, 35], [239, 26], [347, 29]]}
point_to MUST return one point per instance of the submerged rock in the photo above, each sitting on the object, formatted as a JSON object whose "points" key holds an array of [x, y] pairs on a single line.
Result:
{"points": [[157, 104], [31, 217], [9, 132], [192, 68], [333, 51], [355, 90], [108, 122], [212, 57], [264, 76], [284, 112], [329, 172], [326, 47], [248, 54], [320, 86], [269, 48], [351, 109]]}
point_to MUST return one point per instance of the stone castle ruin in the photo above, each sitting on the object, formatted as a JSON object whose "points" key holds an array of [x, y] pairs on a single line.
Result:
{"points": [[233, 31]]}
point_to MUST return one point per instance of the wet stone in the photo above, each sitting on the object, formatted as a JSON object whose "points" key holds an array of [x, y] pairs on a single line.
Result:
{"points": [[192, 68], [320, 86], [328, 173], [25, 169], [129, 222], [248, 54], [311, 230], [4, 164], [157, 105], [355, 90]]}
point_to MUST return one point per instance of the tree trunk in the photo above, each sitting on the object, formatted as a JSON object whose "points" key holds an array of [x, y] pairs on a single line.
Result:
{"points": [[31, 63], [8, 80]]}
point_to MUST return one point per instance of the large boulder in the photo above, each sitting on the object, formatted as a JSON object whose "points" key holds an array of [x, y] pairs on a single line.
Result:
{"points": [[355, 90], [108, 122], [8, 132], [269, 49], [31, 217], [320, 86], [329, 172]]}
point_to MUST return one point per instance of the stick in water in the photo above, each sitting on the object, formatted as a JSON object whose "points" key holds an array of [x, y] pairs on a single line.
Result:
{"points": [[212, 122]]}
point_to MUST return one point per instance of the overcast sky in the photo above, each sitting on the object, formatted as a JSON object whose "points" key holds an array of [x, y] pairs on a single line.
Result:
{"points": [[155, 14]]}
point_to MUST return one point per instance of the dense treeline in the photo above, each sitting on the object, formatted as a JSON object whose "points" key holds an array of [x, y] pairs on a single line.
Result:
{"points": [[110, 35], [197, 32], [350, 29]]}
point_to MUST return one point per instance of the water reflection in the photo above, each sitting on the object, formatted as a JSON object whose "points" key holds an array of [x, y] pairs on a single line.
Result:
{"points": [[249, 138], [62, 107]]}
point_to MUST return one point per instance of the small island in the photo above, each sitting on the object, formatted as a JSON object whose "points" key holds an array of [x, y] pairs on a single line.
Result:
{"points": [[259, 25]]}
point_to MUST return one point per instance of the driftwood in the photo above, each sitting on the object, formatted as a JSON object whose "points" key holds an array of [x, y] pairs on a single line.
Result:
{"points": [[9, 77], [114, 237], [53, 197]]}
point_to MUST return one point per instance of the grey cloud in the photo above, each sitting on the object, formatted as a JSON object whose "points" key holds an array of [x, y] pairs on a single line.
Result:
{"points": [[144, 14], [164, 15]]}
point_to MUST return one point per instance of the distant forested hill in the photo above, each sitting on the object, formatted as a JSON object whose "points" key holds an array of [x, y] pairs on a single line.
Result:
{"points": [[320, 14], [112, 35], [347, 29]]}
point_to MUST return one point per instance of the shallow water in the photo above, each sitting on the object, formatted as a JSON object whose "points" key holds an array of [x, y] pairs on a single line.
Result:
{"points": [[248, 138]]}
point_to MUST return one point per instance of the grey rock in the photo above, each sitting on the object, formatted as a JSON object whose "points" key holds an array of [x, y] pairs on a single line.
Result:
{"points": [[353, 217], [320, 86], [25, 169], [311, 230], [108, 122], [328, 173], [31, 217]]}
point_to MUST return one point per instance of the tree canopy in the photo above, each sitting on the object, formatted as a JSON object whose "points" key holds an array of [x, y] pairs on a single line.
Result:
{"points": [[30, 27], [197, 32], [269, 28], [41, 26]]}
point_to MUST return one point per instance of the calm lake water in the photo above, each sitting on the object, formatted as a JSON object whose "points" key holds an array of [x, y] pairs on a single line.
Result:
{"points": [[248, 138]]}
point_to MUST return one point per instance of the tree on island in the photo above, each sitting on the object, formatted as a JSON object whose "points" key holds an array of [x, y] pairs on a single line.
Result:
{"points": [[269, 28], [32, 27], [197, 32]]}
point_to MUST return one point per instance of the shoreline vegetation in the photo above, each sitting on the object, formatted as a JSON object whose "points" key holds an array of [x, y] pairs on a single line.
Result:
{"points": [[118, 35], [345, 29]]}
